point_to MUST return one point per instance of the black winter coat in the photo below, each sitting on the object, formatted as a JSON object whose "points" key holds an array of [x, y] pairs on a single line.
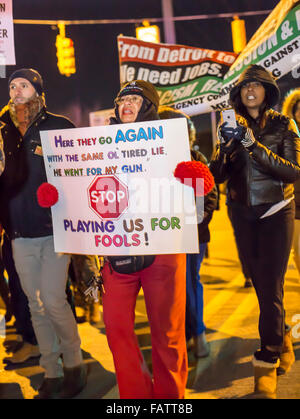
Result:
{"points": [[266, 174], [288, 108], [210, 204], [20, 214]]}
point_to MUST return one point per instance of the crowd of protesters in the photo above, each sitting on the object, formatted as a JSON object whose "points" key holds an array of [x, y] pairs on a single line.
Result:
{"points": [[258, 158]]}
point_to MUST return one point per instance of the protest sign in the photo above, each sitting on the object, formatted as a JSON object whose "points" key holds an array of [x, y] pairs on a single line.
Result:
{"points": [[117, 191], [198, 80], [7, 46], [275, 46], [185, 77]]}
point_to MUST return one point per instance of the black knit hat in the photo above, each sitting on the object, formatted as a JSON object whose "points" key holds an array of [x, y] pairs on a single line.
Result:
{"points": [[31, 75], [257, 73], [142, 88]]}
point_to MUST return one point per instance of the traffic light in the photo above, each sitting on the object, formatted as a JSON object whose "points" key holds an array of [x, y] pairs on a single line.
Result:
{"points": [[65, 54], [238, 30], [148, 33]]}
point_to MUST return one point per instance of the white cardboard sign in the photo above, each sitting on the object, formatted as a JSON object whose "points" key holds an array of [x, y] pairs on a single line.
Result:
{"points": [[7, 44], [117, 191]]}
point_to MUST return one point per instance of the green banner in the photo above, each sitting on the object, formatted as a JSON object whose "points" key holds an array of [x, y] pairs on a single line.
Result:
{"points": [[275, 46], [198, 80], [184, 76]]}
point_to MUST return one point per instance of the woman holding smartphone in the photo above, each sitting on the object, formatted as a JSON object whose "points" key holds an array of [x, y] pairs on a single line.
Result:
{"points": [[260, 158]]}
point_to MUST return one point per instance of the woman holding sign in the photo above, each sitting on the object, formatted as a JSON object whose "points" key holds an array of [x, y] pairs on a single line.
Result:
{"points": [[259, 155], [162, 279]]}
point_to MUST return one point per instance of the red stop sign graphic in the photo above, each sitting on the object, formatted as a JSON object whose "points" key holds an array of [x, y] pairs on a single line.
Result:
{"points": [[108, 197]]}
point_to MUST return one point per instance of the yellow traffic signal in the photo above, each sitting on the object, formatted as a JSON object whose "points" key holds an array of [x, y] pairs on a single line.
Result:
{"points": [[148, 33], [238, 30], [65, 53]]}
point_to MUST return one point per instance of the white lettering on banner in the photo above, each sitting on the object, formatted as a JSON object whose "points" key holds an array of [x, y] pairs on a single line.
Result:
{"points": [[199, 70], [228, 59], [280, 54], [286, 31], [157, 77], [297, 14], [127, 73], [182, 55], [134, 51], [167, 55]]}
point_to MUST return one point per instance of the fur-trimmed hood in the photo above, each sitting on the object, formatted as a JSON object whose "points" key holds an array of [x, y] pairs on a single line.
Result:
{"points": [[289, 102], [255, 73]]}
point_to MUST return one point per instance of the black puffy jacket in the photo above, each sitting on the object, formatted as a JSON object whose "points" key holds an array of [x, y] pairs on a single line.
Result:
{"points": [[288, 107], [266, 175], [20, 214]]}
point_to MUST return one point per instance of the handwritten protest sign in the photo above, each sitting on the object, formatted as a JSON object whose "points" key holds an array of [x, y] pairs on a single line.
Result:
{"points": [[117, 191], [7, 46]]}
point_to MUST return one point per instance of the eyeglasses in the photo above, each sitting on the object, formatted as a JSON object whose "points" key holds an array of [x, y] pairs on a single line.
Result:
{"points": [[251, 84], [135, 99]]}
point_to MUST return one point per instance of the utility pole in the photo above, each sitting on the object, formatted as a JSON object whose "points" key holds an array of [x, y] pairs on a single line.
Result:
{"points": [[170, 38], [169, 27]]}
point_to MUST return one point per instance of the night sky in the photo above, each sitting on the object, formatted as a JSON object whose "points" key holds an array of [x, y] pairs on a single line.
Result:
{"points": [[96, 81]]}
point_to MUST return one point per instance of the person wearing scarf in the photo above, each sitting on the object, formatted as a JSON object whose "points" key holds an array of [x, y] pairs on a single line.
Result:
{"points": [[42, 272]]}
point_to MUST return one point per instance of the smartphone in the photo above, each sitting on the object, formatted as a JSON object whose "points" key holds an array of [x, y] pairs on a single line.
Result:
{"points": [[228, 116]]}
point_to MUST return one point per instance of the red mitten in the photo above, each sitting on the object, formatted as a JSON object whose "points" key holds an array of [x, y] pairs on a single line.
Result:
{"points": [[47, 195], [195, 170]]}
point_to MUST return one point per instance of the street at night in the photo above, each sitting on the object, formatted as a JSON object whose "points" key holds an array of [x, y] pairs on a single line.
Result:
{"points": [[231, 316], [149, 202]]}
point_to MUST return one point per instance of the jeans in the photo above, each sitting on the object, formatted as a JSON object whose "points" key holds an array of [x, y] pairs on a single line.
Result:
{"points": [[19, 300], [266, 244], [43, 276], [194, 294]]}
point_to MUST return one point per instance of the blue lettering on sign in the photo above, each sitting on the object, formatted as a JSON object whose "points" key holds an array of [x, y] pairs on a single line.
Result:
{"points": [[151, 133]]}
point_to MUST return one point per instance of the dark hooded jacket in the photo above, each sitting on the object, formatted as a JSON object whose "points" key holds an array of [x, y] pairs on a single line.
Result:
{"points": [[147, 91], [266, 174], [288, 109], [24, 172]]}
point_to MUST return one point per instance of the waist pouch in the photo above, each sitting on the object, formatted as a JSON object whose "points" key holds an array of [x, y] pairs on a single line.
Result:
{"points": [[130, 264]]}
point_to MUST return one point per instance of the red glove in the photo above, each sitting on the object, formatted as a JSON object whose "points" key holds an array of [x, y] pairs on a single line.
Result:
{"points": [[195, 170], [47, 195]]}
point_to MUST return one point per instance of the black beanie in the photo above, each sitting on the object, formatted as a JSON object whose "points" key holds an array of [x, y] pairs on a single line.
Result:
{"points": [[31, 75], [142, 88]]}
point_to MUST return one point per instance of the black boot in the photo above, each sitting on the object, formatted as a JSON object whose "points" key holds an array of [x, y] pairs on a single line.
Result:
{"points": [[74, 381], [50, 388]]}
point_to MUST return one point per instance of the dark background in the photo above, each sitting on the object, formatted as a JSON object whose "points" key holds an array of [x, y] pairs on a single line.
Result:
{"points": [[96, 81]]}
